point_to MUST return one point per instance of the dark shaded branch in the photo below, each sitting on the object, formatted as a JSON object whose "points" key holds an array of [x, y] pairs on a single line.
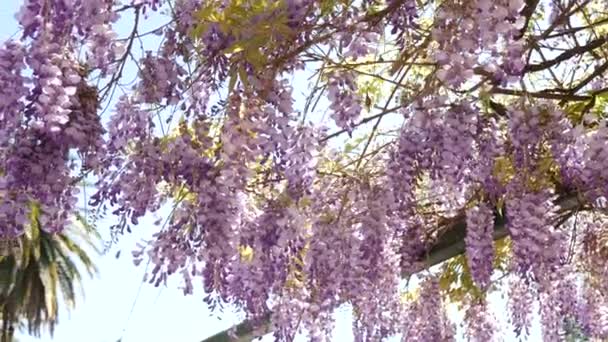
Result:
{"points": [[594, 44], [573, 30], [527, 13], [377, 16], [565, 14], [105, 91], [363, 121], [540, 95], [246, 331], [451, 243], [598, 72]]}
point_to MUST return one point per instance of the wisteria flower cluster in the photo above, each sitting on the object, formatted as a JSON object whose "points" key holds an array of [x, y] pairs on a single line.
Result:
{"points": [[470, 136]]}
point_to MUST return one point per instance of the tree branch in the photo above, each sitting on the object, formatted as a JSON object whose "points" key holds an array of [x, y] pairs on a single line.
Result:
{"points": [[599, 71], [527, 12], [594, 44], [540, 95]]}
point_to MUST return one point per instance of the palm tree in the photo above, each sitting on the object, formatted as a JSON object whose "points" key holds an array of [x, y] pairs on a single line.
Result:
{"points": [[43, 268]]}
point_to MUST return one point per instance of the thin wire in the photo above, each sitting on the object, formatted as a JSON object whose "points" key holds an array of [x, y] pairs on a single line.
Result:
{"points": [[141, 284], [158, 295]]}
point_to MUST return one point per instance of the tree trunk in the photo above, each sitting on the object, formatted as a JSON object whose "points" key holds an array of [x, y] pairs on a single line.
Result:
{"points": [[7, 326], [11, 332], [4, 327]]}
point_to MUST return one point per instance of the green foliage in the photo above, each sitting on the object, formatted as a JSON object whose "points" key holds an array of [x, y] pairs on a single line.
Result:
{"points": [[47, 268], [354, 144], [574, 333], [456, 282], [258, 25], [370, 89]]}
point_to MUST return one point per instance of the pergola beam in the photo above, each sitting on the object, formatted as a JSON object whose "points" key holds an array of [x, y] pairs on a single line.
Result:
{"points": [[449, 245]]}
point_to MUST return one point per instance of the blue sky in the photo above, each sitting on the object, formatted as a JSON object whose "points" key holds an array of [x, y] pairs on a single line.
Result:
{"points": [[118, 306]]}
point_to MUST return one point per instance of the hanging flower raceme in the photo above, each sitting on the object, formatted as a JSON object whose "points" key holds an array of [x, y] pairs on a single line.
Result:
{"points": [[360, 45], [593, 314], [464, 31], [595, 247], [403, 18], [94, 21], [376, 296], [536, 244], [54, 93], [344, 101], [590, 162], [490, 145], [560, 298], [481, 325], [12, 90], [525, 134], [480, 244], [300, 161], [426, 318], [88, 20], [458, 130], [520, 304], [130, 130], [56, 118], [413, 155], [160, 80]]}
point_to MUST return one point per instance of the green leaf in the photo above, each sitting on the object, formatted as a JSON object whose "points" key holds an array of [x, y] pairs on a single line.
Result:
{"points": [[233, 79], [255, 57], [243, 77], [234, 48]]}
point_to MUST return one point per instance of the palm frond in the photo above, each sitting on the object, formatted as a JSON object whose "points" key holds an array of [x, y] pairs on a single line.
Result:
{"points": [[46, 270]]}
